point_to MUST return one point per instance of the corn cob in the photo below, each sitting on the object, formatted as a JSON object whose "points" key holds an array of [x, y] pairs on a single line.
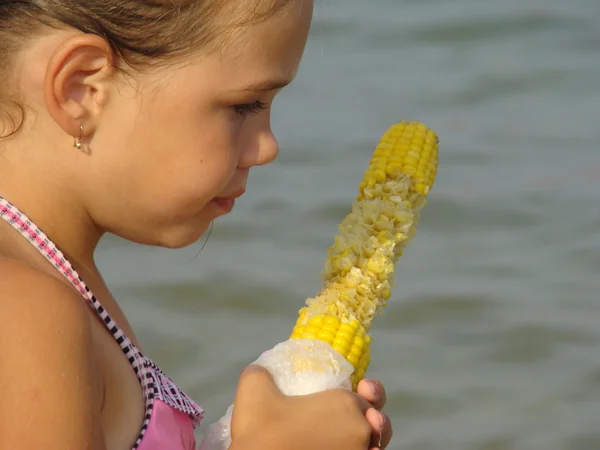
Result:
{"points": [[360, 263]]}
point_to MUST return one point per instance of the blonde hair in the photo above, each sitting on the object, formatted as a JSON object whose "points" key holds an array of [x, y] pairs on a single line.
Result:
{"points": [[141, 33]]}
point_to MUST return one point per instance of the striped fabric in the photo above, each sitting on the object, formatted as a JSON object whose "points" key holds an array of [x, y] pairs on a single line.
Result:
{"points": [[155, 383]]}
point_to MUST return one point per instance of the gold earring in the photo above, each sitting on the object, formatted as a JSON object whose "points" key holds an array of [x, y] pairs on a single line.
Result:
{"points": [[77, 141]]}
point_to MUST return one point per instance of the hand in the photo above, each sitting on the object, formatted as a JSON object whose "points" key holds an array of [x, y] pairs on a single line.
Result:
{"points": [[266, 419], [374, 393]]}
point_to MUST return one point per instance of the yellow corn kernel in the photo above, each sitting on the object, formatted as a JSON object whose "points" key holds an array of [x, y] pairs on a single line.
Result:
{"points": [[347, 338], [316, 320], [359, 268], [352, 359], [326, 336]]}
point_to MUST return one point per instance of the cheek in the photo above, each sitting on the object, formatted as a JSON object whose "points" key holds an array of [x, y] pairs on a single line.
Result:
{"points": [[173, 153], [200, 158]]}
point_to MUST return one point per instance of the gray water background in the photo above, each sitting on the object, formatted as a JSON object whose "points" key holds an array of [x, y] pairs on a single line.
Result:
{"points": [[491, 340]]}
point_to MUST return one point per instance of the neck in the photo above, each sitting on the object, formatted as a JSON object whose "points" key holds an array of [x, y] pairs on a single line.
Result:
{"points": [[62, 218]]}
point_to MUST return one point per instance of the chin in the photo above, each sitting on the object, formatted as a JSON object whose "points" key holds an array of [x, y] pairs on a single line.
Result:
{"points": [[179, 237]]}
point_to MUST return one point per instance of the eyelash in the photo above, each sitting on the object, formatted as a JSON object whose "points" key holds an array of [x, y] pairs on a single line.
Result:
{"points": [[250, 108]]}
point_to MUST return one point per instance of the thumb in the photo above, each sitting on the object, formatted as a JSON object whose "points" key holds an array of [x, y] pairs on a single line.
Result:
{"points": [[255, 387], [255, 401]]}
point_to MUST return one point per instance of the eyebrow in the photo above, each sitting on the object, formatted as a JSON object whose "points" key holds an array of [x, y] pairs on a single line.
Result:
{"points": [[267, 85]]}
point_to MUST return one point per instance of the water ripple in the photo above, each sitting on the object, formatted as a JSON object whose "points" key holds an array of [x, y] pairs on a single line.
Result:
{"points": [[492, 28]]}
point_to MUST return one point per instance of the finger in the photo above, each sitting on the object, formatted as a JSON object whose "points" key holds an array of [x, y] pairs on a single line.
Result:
{"points": [[382, 435], [387, 433], [373, 392], [255, 385], [363, 404], [375, 419], [354, 398]]}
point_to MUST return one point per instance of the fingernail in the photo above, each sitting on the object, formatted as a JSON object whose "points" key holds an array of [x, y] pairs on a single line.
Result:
{"points": [[374, 387], [383, 419], [250, 368]]}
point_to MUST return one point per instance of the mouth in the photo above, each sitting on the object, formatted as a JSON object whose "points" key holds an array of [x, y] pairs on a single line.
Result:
{"points": [[236, 194], [226, 202]]}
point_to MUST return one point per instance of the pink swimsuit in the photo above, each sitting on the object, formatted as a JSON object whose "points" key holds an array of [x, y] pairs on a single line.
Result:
{"points": [[171, 416]]}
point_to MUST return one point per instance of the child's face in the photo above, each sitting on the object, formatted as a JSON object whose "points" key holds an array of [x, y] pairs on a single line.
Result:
{"points": [[162, 157]]}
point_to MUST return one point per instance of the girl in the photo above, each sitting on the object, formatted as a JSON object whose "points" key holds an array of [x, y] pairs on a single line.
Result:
{"points": [[139, 118]]}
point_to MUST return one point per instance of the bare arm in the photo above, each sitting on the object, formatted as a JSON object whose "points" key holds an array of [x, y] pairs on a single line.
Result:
{"points": [[51, 395]]}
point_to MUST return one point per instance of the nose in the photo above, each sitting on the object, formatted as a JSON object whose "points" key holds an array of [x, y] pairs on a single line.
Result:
{"points": [[264, 151]]}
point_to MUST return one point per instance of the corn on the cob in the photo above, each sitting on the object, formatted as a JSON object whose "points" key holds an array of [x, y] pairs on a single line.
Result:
{"points": [[360, 264]]}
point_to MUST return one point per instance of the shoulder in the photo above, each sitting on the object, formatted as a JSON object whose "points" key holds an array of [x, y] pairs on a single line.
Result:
{"points": [[52, 391], [27, 295]]}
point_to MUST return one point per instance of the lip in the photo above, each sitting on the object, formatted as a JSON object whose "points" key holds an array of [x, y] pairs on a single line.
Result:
{"points": [[226, 203], [236, 194]]}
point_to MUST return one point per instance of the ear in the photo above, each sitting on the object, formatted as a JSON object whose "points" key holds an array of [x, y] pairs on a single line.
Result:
{"points": [[76, 86]]}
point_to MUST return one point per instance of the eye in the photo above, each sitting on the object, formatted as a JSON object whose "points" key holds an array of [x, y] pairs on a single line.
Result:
{"points": [[250, 108]]}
